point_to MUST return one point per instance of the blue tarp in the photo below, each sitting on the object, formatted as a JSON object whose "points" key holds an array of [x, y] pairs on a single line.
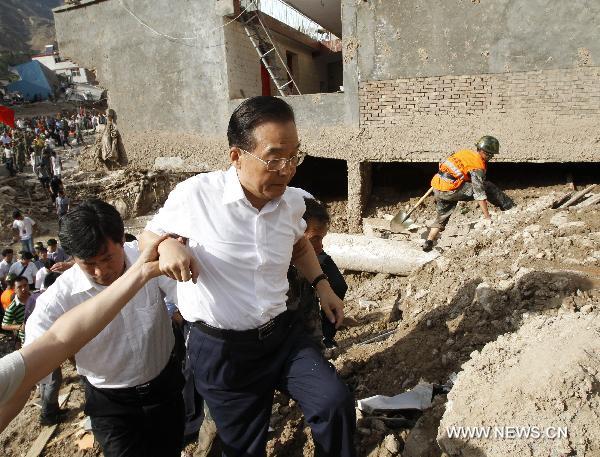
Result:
{"points": [[33, 82]]}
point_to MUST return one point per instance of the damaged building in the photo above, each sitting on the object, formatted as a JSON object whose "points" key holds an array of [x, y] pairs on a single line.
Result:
{"points": [[377, 84]]}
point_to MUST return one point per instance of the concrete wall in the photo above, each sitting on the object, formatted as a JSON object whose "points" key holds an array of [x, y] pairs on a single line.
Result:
{"points": [[408, 38], [154, 82]]}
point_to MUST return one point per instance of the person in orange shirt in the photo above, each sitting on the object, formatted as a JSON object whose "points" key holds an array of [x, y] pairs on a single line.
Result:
{"points": [[462, 177], [7, 296]]}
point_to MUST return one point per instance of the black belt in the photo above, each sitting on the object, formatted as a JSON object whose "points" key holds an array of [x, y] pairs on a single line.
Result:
{"points": [[255, 334]]}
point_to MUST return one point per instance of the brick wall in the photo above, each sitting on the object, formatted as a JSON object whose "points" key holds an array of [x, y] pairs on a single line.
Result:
{"points": [[573, 92]]}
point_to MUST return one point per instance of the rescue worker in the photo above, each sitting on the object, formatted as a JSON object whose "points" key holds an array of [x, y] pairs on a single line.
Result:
{"points": [[20, 149], [462, 177]]}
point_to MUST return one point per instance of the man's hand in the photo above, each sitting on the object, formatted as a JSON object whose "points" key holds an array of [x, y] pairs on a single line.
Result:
{"points": [[148, 259], [331, 304], [176, 261], [59, 267]]}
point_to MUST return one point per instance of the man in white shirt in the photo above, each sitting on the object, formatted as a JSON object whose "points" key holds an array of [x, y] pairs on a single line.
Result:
{"points": [[5, 264], [25, 267], [244, 226], [133, 384], [24, 226]]}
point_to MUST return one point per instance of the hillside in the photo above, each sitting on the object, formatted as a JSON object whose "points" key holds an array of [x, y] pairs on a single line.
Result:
{"points": [[26, 25]]}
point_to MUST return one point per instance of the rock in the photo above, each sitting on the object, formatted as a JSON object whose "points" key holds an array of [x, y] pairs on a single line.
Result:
{"points": [[484, 295], [8, 190], [420, 294], [586, 309], [559, 218], [391, 443], [367, 304], [377, 424]]}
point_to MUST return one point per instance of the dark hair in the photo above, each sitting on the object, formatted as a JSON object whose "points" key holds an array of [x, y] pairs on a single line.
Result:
{"points": [[7, 251], [85, 230], [315, 210], [10, 279], [26, 255], [41, 249], [17, 213], [129, 237], [21, 279], [252, 113], [50, 279], [51, 242], [48, 263]]}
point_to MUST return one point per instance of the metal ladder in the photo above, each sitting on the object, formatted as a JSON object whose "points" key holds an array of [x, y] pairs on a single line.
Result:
{"points": [[269, 55]]}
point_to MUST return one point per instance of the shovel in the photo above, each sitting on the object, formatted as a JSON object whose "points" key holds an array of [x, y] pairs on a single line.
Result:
{"points": [[401, 219]]}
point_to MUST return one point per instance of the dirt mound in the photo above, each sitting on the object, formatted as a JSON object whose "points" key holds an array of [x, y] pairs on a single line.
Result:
{"points": [[545, 375]]}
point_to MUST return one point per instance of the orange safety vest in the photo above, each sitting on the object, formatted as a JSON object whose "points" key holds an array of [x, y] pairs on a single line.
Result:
{"points": [[454, 171]]}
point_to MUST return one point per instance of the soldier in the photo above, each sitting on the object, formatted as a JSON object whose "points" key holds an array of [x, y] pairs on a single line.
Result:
{"points": [[20, 149], [461, 177]]}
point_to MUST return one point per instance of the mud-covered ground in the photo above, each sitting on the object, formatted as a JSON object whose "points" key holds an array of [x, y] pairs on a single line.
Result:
{"points": [[489, 279]]}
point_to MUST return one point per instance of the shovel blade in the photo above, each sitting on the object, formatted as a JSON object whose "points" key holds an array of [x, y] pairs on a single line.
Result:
{"points": [[400, 222]]}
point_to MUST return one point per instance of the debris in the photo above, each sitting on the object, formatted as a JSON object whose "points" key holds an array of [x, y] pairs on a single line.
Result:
{"points": [[40, 443], [381, 337], [361, 253], [577, 196], [418, 398], [86, 442], [592, 200]]}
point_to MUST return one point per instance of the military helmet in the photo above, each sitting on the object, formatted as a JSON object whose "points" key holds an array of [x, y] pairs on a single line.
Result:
{"points": [[488, 144]]}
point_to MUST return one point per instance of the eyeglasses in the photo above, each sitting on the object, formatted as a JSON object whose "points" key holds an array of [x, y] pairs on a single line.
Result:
{"points": [[279, 164]]}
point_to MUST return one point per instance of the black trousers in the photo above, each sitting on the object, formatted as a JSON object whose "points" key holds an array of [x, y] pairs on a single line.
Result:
{"points": [[238, 379], [141, 421]]}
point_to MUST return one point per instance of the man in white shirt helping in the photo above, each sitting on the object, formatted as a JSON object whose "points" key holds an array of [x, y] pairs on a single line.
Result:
{"points": [[133, 383], [243, 227]]}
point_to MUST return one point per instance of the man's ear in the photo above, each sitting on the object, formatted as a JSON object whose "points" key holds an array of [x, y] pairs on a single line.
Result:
{"points": [[234, 155]]}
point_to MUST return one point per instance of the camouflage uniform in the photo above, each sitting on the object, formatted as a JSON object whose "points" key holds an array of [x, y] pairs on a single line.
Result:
{"points": [[20, 150], [303, 298]]}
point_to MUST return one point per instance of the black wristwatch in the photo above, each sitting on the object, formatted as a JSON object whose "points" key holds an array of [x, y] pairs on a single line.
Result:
{"points": [[318, 279]]}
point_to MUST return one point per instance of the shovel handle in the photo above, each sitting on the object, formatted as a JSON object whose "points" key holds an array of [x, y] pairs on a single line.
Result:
{"points": [[418, 204]]}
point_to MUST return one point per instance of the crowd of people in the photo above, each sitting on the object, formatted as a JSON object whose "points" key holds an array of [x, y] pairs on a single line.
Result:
{"points": [[34, 145], [227, 297]]}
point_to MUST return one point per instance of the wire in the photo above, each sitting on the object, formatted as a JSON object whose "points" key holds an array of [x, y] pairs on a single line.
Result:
{"points": [[177, 39]]}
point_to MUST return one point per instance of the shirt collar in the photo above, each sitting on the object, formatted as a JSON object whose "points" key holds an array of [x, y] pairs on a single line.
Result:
{"points": [[232, 191], [83, 283]]}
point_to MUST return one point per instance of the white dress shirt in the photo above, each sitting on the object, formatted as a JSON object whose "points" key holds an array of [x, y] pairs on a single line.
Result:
{"points": [[4, 267], [243, 254], [133, 349], [29, 272]]}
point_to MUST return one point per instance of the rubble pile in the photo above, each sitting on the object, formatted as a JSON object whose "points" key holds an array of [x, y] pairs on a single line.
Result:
{"points": [[543, 380], [497, 299], [490, 280], [133, 193]]}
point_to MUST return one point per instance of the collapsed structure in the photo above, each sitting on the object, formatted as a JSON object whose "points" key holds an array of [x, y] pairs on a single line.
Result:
{"points": [[410, 81]]}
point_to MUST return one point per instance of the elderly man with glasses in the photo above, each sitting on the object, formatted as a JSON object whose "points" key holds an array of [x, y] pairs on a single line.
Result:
{"points": [[243, 227]]}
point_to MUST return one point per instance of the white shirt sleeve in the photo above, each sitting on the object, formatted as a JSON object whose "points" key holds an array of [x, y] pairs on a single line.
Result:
{"points": [[12, 372], [175, 217], [168, 287]]}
